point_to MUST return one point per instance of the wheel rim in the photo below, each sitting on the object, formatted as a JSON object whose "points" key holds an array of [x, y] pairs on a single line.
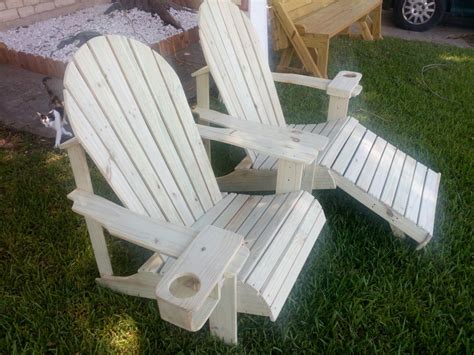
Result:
{"points": [[418, 12]]}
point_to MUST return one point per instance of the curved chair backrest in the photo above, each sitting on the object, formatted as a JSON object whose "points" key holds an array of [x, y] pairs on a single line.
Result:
{"points": [[128, 110], [237, 63]]}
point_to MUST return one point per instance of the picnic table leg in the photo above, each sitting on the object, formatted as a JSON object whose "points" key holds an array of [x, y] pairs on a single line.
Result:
{"points": [[365, 30], [377, 23], [322, 48], [285, 59]]}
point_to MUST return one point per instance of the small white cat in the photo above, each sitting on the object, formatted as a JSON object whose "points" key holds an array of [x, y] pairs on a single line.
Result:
{"points": [[54, 119]]}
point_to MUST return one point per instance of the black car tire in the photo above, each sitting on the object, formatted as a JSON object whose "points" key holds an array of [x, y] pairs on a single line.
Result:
{"points": [[405, 23]]}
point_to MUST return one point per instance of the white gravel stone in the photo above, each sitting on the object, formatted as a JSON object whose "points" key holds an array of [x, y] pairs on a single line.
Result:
{"points": [[42, 38]]}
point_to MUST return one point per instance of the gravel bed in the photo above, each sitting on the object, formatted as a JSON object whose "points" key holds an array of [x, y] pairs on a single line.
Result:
{"points": [[43, 38]]}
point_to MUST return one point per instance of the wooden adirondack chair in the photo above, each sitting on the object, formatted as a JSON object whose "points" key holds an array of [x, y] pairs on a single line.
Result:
{"points": [[216, 254], [367, 167]]}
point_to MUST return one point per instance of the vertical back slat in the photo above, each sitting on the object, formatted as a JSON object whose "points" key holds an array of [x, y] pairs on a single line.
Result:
{"points": [[103, 160], [122, 113], [129, 111], [195, 146], [219, 39], [231, 48], [264, 68], [205, 190], [97, 124], [245, 64], [162, 154]]}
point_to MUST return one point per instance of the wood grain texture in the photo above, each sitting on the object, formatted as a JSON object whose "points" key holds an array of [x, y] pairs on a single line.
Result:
{"points": [[309, 26]]}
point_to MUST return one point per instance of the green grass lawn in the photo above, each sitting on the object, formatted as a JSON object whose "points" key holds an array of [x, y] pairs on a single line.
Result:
{"points": [[361, 291]]}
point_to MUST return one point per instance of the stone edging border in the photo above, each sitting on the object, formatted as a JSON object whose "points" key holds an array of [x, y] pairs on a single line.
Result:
{"points": [[51, 67]]}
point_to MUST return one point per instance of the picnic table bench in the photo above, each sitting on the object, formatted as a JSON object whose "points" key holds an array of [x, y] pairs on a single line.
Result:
{"points": [[305, 27]]}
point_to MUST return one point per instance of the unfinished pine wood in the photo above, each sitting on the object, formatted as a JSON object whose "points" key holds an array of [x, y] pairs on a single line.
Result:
{"points": [[416, 191], [202, 100], [372, 170], [116, 77], [404, 186], [223, 320], [393, 178], [310, 25], [295, 269], [381, 174], [270, 287], [289, 134], [265, 221], [82, 177], [289, 177], [337, 144], [275, 249], [344, 84], [286, 150], [219, 22], [130, 114], [133, 227], [175, 205], [141, 284], [360, 156], [312, 82], [368, 171], [188, 289], [349, 149], [262, 234]]}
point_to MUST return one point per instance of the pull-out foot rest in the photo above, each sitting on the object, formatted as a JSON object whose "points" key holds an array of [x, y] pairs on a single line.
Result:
{"points": [[391, 183]]}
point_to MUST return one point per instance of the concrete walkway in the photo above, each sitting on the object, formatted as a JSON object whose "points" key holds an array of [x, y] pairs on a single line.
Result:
{"points": [[22, 93]]}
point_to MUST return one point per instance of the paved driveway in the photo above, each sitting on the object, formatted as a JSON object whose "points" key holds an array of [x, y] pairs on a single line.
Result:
{"points": [[444, 33]]}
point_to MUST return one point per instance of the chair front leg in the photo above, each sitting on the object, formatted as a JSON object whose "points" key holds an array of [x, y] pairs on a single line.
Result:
{"points": [[80, 169], [223, 321]]}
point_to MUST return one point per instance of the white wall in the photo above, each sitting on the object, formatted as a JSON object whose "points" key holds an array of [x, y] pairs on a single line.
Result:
{"points": [[259, 18]]}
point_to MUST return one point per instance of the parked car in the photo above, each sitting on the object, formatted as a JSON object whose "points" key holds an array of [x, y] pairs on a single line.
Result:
{"points": [[421, 15]]}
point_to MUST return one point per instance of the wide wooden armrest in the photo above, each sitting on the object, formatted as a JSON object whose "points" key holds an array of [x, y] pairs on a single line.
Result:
{"points": [[204, 257], [281, 142], [153, 234], [345, 84], [190, 290]]}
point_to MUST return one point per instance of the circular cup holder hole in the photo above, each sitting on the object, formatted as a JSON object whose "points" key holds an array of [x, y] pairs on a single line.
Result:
{"points": [[350, 75], [185, 286]]}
